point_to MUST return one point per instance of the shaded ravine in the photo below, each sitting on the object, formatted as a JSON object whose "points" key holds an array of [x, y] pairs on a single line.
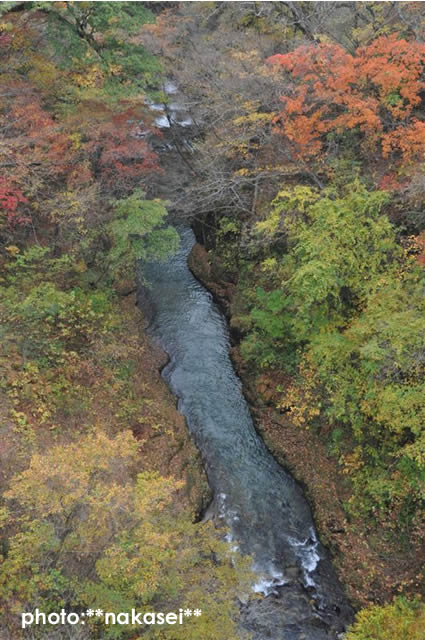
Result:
{"points": [[260, 502]]}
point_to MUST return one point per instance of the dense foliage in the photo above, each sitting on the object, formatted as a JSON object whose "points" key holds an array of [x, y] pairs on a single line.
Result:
{"points": [[348, 311], [400, 619], [92, 513], [374, 93], [89, 535]]}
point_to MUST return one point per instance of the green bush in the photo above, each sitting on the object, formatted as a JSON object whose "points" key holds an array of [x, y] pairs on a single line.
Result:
{"points": [[401, 620]]}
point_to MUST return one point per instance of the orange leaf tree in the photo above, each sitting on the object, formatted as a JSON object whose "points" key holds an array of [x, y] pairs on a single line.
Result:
{"points": [[376, 93]]}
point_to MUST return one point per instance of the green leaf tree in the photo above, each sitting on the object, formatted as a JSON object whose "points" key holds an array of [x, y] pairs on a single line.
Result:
{"points": [[337, 245], [138, 233]]}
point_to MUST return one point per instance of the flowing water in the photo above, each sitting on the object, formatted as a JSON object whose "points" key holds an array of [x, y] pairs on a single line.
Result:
{"points": [[257, 499]]}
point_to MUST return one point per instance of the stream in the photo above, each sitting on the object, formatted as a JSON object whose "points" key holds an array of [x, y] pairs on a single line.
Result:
{"points": [[261, 504], [264, 509]]}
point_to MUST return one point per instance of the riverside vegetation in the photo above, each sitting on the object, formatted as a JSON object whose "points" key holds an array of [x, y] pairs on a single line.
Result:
{"points": [[306, 166], [100, 482]]}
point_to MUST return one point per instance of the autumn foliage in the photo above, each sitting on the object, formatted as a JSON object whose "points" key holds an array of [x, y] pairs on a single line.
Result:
{"points": [[11, 199], [69, 142], [306, 177], [375, 92], [76, 161]]}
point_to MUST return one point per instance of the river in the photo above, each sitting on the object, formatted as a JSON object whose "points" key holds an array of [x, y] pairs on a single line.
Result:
{"points": [[264, 508]]}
